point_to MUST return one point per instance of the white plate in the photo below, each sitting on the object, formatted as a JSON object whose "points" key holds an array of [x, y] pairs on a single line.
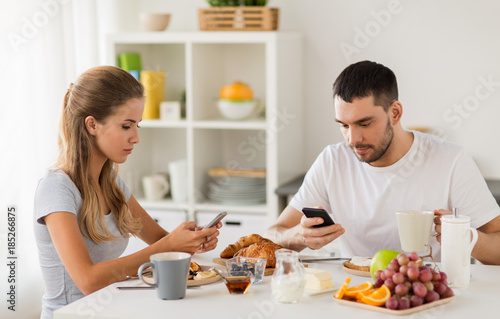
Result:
{"points": [[395, 312], [214, 188], [192, 282], [355, 271], [239, 179]]}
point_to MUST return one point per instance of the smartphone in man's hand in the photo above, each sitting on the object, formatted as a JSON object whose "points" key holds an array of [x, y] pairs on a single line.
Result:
{"points": [[318, 212]]}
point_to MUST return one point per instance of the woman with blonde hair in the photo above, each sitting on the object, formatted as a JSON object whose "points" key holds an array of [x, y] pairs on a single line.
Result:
{"points": [[84, 211]]}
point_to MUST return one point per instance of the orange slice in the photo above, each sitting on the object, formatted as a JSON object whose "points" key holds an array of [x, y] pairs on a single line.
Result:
{"points": [[340, 293], [358, 291], [378, 297], [365, 293]]}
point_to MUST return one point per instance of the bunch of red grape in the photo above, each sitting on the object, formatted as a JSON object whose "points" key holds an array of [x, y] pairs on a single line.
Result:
{"points": [[411, 285]]}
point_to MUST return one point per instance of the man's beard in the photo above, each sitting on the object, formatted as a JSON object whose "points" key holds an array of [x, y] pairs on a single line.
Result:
{"points": [[379, 151]]}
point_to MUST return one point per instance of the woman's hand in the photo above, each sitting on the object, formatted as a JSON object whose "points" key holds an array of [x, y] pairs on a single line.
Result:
{"points": [[187, 238], [211, 240]]}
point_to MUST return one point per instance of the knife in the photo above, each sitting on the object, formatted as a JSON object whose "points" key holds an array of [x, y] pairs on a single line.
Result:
{"points": [[324, 258], [147, 287], [135, 287]]}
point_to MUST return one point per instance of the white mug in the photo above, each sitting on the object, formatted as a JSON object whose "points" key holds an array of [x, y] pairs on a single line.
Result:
{"points": [[155, 186], [414, 228], [178, 180], [457, 241]]}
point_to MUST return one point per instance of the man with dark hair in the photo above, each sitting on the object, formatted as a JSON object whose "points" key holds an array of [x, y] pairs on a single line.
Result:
{"points": [[364, 79], [382, 168]]}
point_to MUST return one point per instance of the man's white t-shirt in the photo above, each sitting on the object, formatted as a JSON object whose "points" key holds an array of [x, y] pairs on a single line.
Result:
{"points": [[434, 174]]}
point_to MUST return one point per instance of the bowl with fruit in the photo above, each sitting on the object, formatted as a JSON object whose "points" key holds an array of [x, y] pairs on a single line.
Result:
{"points": [[404, 285], [256, 266], [236, 101]]}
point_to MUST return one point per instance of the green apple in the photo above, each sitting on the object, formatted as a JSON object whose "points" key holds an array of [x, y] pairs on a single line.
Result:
{"points": [[381, 260]]}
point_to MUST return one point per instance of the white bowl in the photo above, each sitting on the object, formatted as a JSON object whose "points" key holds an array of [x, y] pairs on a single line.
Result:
{"points": [[154, 21], [236, 110]]}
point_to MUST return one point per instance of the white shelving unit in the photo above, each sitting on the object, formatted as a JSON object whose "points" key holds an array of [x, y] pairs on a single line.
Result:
{"points": [[199, 64]]}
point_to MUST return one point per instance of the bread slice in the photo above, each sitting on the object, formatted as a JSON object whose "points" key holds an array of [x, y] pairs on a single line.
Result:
{"points": [[358, 263]]}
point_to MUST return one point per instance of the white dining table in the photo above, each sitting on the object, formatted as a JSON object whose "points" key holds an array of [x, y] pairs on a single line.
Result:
{"points": [[481, 299]]}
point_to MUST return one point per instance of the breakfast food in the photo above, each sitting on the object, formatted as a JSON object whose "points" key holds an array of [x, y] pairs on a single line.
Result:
{"points": [[381, 260], [419, 284], [317, 279], [358, 263], [404, 284], [197, 273], [254, 246], [205, 275], [194, 268], [264, 250], [243, 242], [256, 266]]}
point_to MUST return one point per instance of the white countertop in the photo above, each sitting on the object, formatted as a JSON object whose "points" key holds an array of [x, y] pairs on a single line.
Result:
{"points": [[481, 299]]}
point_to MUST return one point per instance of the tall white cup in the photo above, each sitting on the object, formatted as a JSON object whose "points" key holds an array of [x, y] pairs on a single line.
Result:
{"points": [[457, 241], [178, 180], [414, 228]]}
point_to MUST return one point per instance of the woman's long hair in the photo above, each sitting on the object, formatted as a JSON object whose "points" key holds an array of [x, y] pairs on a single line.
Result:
{"points": [[98, 92]]}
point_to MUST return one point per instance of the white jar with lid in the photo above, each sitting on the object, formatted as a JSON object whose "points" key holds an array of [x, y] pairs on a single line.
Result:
{"points": [[457, 240]]}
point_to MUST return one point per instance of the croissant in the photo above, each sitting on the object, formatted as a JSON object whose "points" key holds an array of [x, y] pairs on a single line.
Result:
{"points": [[264, 249], [243, 242]]}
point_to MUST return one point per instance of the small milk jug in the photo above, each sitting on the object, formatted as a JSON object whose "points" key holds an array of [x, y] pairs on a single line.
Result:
{"points": [[457, 241], [289, 278]]}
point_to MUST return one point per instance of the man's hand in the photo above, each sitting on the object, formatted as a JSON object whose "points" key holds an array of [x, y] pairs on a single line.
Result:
{"points": [[437, 221], [485, 249], [316, 238]]}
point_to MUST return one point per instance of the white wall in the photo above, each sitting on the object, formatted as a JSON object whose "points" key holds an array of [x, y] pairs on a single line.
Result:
{"points": [[441, 52]]}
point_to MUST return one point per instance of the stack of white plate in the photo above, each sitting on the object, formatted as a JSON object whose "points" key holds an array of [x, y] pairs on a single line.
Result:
{"points": [[237, 190]]}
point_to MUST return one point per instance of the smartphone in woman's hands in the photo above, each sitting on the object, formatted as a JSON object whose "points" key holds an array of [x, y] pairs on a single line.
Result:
{"points": [[216, 220]]}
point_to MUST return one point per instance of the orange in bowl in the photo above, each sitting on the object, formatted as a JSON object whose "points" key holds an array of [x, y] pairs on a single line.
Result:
{"points": [[236, 91]]}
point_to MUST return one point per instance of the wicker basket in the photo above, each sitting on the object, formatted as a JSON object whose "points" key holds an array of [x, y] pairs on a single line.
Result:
{"points": [[238, 19]]}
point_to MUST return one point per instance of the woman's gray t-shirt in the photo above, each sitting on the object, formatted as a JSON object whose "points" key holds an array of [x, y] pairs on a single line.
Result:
{"points": [[56, 192]]}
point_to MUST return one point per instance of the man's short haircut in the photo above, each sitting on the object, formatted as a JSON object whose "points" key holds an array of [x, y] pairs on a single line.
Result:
{"points": [[366, 78]]}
